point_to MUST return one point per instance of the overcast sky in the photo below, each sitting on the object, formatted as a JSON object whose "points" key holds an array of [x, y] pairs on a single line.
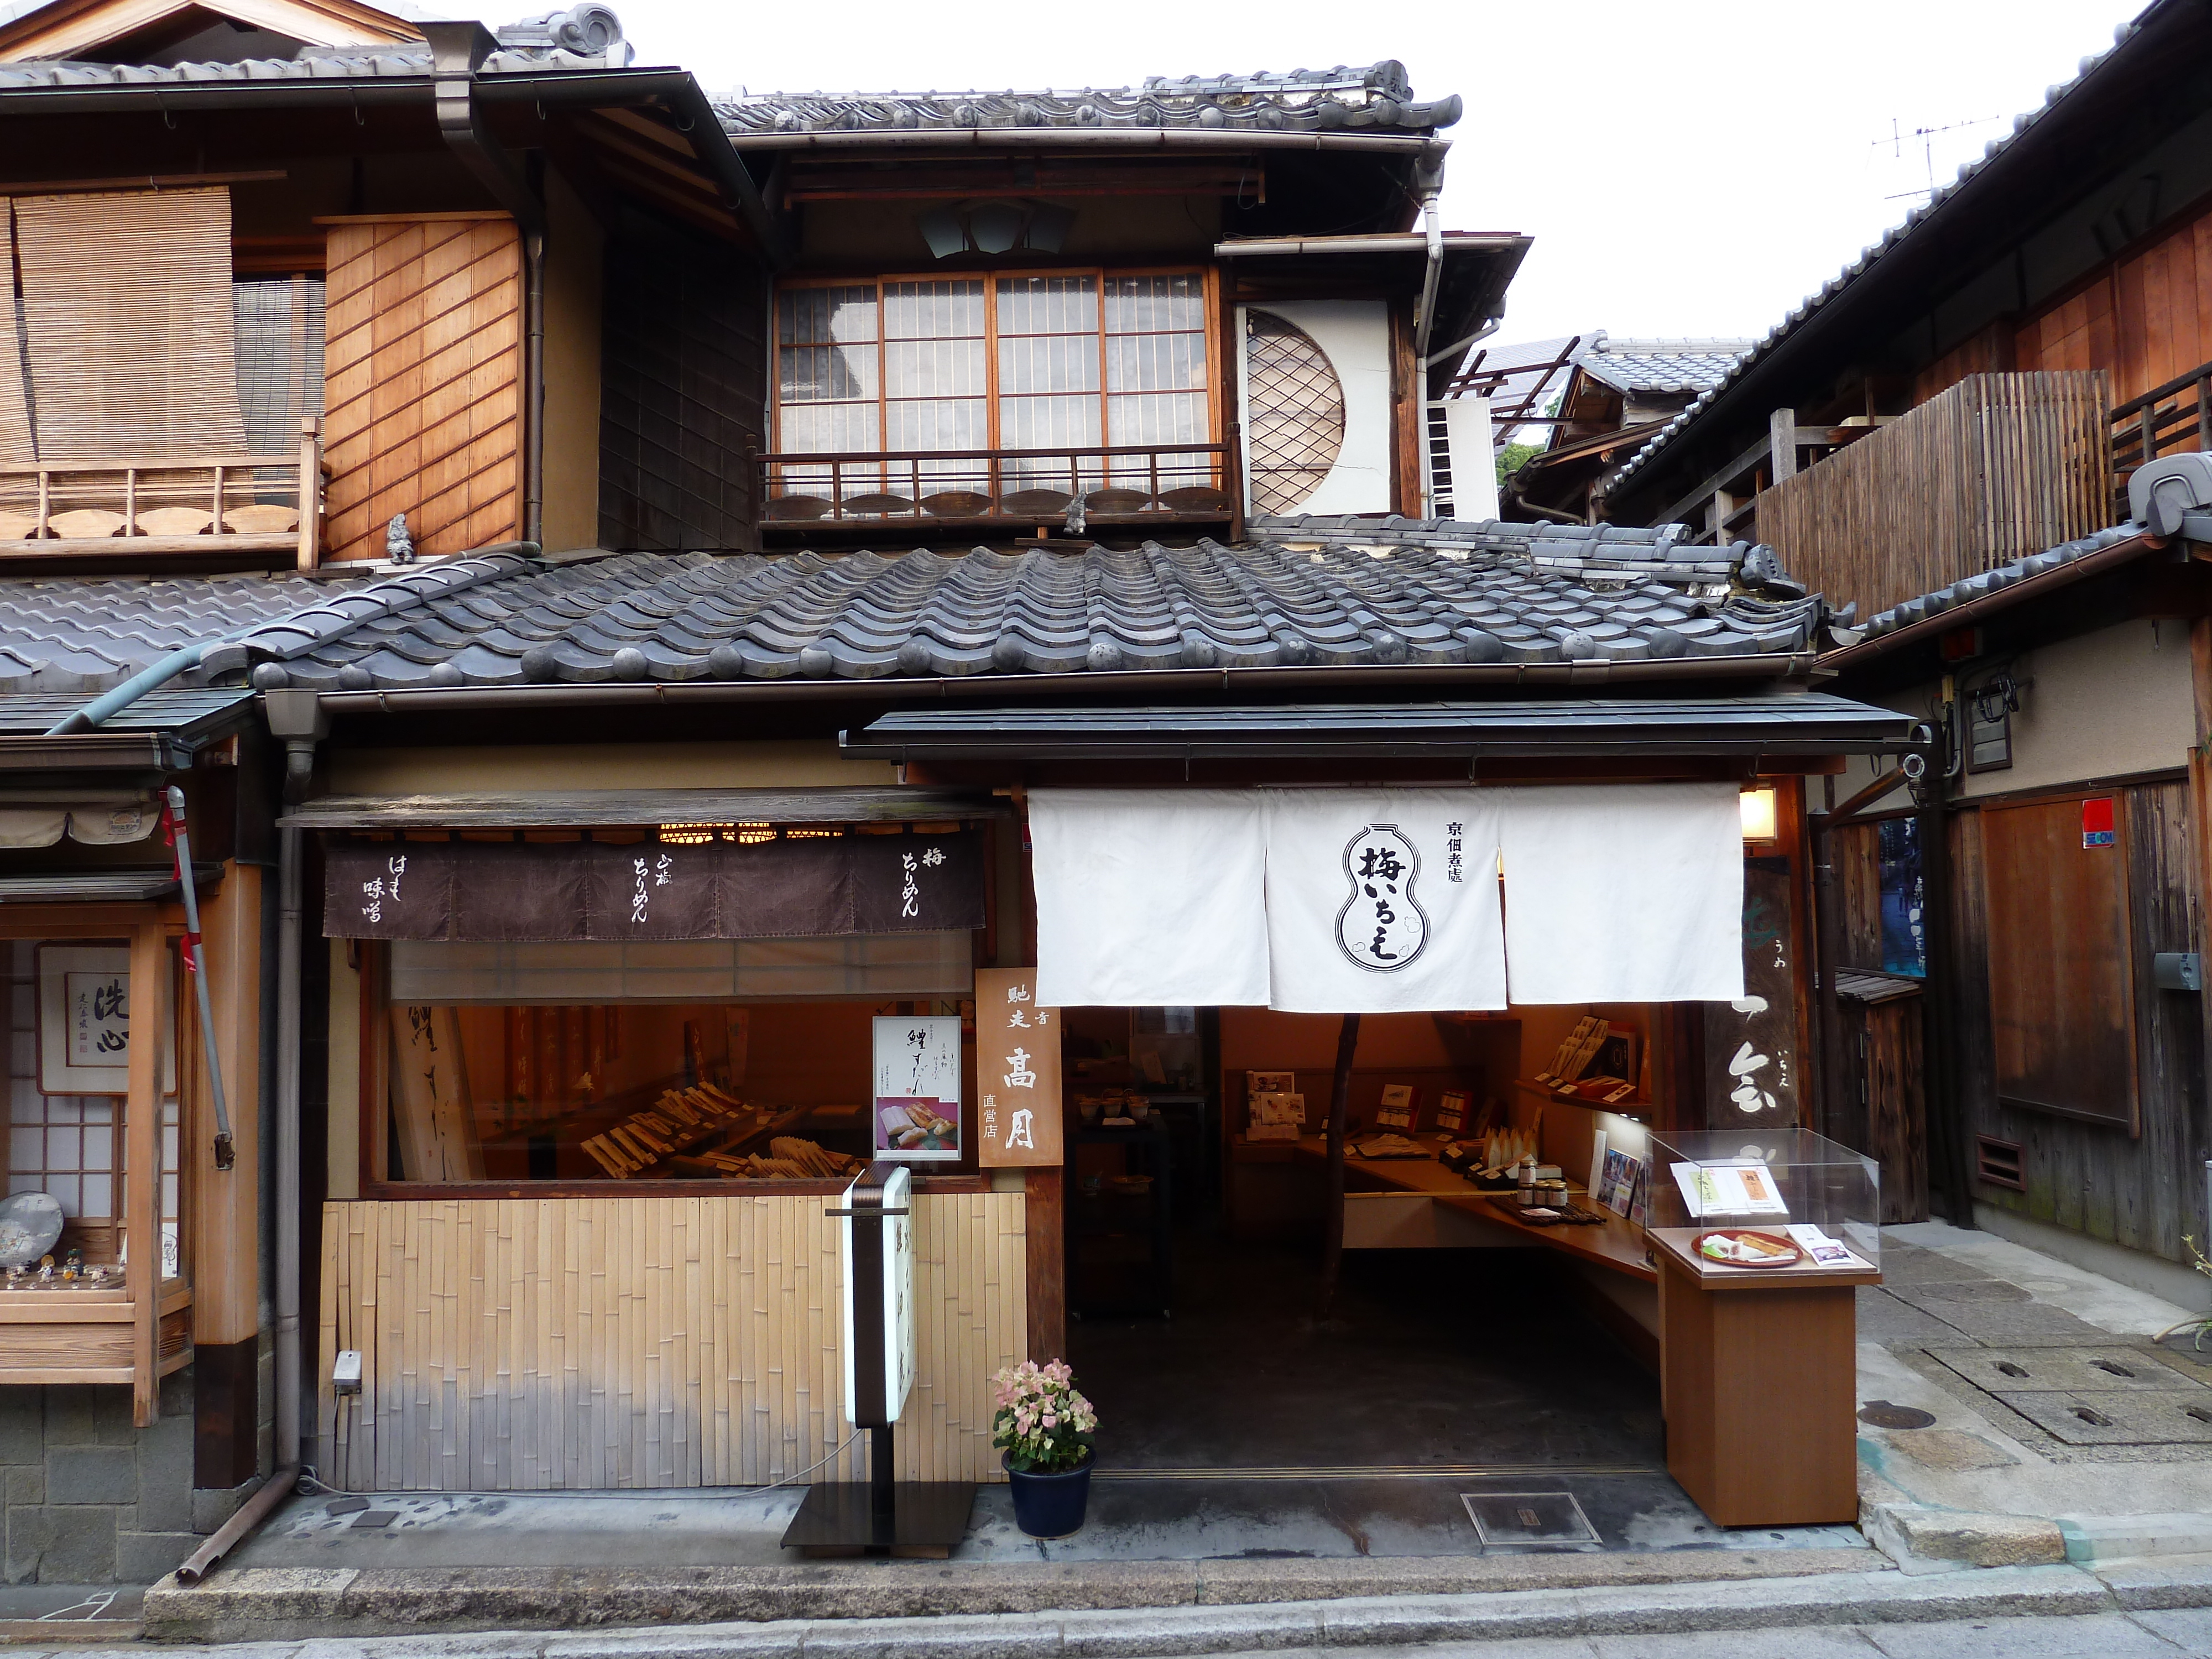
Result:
{"points": [[1687, 166]]}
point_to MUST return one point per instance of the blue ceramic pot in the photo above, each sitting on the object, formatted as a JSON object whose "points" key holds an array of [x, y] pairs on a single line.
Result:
{"points": [[1049, 1506]]}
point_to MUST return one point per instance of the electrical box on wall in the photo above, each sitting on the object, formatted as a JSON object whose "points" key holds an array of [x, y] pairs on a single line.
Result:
{"points": [[2178, 970]]}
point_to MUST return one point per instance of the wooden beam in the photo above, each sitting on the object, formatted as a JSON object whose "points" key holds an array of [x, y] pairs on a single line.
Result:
{"points": [[1339, 1101], [1044, 1224], [142, 1179], [1720, 480]]}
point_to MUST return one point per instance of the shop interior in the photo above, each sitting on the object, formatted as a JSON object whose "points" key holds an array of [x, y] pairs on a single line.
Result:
{"points": [[1196, 1218]]}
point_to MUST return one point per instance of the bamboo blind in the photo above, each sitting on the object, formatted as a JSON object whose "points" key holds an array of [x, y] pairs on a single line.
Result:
{"points": [[127, 322], [423, 375], [535, 1343], [1990, 470]]}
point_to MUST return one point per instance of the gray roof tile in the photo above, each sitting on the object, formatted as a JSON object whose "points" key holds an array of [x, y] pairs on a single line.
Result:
{"points": [[1320, 591], [1375, 98]]}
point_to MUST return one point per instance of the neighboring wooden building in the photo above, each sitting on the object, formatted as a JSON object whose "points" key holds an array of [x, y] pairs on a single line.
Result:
{"points": [[1941, 441]]}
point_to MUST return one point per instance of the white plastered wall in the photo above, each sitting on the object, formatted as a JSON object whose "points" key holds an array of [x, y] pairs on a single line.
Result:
{"points": [[2103, 705], [1355, 337]]}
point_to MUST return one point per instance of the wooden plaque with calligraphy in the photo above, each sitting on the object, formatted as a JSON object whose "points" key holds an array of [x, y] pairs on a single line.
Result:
{"points": [[1017, 1073], [1751, 1046]]}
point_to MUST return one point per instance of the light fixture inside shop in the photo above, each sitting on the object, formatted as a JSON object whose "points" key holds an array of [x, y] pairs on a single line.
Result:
{"points": [[1761, 814]]}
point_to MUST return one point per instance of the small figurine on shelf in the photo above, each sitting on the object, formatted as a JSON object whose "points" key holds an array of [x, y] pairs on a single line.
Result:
{"points": [[73, 1267], [46, 1270], [97, 1278], [19, 1276]]}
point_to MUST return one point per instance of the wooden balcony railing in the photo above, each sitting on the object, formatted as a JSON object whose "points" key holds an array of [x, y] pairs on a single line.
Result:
{"points": [[216, 505], [1115, 484], [2164, 421], [1992, 470]]}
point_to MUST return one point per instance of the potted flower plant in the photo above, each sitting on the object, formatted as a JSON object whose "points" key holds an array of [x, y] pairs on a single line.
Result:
{"points": [[1044, 1430]]}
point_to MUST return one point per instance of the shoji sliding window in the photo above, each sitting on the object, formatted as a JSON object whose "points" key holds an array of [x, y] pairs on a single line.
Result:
{"points": [[1063, 360]]}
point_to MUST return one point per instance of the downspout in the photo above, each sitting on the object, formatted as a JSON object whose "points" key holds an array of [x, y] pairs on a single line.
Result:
{"points": [[296, 717], [533, 454], [1429, 183]]}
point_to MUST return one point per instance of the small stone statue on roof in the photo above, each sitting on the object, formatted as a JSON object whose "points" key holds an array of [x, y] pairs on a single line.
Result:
{"points": [[398, 544]]}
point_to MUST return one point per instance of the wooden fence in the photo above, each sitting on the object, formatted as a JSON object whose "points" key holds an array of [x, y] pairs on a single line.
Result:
{"points": [[1994, 468], [536, 1344]]}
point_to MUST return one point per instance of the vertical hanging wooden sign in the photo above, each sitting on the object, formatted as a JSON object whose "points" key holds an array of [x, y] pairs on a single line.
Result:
{"points": [[1017, 1073]]}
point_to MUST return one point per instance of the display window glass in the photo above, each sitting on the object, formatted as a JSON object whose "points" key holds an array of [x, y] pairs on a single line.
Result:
{"points": [[623, 1091]]}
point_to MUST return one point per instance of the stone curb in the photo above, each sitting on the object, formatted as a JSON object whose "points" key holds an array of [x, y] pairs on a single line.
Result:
{"points": [[1627, 1609], [244, 1604]]}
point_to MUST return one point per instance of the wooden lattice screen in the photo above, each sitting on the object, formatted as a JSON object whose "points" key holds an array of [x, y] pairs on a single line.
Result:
{"points": [[1296, 418], [422, 378], [1992, 470]]}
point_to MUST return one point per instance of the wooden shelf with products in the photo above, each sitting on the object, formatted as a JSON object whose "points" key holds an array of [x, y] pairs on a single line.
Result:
{"points": [[1635, 1108]]}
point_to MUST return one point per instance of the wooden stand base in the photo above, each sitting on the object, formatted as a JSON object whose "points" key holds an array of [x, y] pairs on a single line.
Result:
{"points": [[884, 1516], [1760, 1384]]}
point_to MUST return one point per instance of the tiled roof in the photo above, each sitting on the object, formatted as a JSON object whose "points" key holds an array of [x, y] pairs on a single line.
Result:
{"points": [[1659, 365], [91, 634], [1304, 101], [531, 45], [1312, 591], [1992, 152], [1986, 582]]}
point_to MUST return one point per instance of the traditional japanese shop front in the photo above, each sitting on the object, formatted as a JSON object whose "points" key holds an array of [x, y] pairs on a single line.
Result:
{"points": [[608, 1077]]}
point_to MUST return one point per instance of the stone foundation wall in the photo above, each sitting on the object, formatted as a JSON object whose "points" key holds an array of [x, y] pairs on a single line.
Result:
{"points": [[86, 1498]]}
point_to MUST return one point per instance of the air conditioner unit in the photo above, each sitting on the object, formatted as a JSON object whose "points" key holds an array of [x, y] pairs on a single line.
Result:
{"points": [[1462, 481]]}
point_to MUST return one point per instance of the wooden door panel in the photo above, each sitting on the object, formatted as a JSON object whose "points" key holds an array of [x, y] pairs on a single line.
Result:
{"points": [[2061, 1006]]}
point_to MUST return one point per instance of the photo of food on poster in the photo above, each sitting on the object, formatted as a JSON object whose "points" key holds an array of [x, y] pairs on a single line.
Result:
{"points": [[917, 1087]]}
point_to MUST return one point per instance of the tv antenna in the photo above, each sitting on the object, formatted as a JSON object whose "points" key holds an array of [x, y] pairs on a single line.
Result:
{"points": [[1900, 136]]}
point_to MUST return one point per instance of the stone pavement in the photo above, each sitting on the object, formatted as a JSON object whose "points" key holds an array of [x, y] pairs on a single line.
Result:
{"points": [[2055, 1429], [2002, 1475]]}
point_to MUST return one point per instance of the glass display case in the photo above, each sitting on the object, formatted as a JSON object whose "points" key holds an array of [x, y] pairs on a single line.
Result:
{"points": [[1785, 1204]]}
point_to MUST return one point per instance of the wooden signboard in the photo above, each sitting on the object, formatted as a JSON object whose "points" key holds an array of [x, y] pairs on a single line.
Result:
{"points": [[1017, 1073], [1751, 1045]]}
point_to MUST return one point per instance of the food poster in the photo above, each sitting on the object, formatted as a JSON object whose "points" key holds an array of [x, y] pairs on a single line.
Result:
{"points": [[917, 1087], [1017, 1073]]}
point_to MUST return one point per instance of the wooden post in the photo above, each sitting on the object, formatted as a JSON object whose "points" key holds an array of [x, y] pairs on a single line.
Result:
{"points": [[141, 1139], [1044, 1227], [1782, 439], [2200, 812], [1339, 1100], [310, 497]]}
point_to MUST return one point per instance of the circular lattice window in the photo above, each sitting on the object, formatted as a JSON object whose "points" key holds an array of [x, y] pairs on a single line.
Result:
{"points": [[1295, 418]]}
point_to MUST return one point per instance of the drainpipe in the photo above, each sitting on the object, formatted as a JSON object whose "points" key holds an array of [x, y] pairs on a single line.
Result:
{"points": [[296, 717], [1428, 183], [109, 704]]}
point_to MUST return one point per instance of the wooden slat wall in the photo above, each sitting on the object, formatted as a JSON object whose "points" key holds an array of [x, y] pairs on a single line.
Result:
{"points": [[683, 372], [422, 379], [2145, 318], [534, 1343], [1996, 467], [2143, 1191]]}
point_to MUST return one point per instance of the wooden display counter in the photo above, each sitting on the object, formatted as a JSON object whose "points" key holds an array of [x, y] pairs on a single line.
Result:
{"points": [[1759, 1379], [1614, 1245]]}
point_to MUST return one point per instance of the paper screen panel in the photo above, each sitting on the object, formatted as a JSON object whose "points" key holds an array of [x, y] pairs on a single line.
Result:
{"points": [[422, 364], [127, 315]]}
